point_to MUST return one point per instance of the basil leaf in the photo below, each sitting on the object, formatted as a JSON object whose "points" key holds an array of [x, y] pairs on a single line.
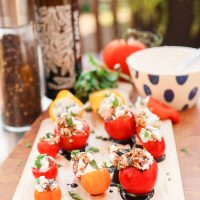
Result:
{"points": [[74, 195], [115, 102], [69, 121], [93, 164], [37, 161]]}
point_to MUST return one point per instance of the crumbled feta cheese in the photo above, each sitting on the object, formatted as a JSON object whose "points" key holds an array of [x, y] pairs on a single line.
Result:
{"points": [[145, 117], [141, 102], [107, 104], [51, 138], [43, 184], [150, 133], [66, 105]]}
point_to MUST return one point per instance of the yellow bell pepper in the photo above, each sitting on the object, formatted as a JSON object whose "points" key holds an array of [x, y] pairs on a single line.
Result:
{"points": [[96, 98], [63, 100]]}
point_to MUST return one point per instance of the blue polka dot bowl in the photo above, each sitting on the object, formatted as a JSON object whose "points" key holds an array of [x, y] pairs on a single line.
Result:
{"points": [[156, 71]]}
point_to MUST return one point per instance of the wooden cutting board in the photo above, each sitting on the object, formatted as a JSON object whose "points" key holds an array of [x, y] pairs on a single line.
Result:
{"points": [[168, 186]]}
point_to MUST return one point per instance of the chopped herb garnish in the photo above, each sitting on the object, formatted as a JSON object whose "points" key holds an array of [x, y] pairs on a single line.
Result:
{"points": [[73, 114], [88, 109], [74, 153], [146, 134], [74, 195], [59, 165], [93, 164], [37, 161], [69, 121], [28, 145], [48, 135], [184, 150], [92, 131], [115, 102], [92, 150]]}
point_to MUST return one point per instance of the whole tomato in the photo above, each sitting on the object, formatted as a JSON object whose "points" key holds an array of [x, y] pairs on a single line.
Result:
{"points": [[96, 182], [138, 182], [51, 173], [118, 50], [121, 128], [51, 195], [76, 141]]}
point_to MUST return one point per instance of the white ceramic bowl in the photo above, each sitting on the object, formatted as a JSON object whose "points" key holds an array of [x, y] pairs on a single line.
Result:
{"points": [[155, 72]]}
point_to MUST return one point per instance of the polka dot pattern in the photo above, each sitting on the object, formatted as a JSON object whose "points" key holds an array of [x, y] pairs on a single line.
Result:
{"points": [[181, 79], [169, 95], [154, 79], [193, 93], [147, 90]]}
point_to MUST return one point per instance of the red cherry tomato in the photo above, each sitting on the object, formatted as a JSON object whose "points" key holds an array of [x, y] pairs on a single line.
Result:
{"points": [[77, 141], [135, 181], [49, 149], [121, 128], [118, 50], [50, 174]]}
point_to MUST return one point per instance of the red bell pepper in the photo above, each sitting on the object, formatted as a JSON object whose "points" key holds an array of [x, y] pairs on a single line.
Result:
{"points": [[162, 110]]}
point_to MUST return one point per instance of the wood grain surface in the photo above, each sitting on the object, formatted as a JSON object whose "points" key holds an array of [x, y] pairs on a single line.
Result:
{"points": [[187, 135]]}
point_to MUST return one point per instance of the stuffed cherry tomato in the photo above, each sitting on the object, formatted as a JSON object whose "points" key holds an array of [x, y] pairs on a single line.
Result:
{"points": [[45, 166], [49, 144], [94, 180], [46, 189], [102, 101], [120, 123], [138, 172], [152, 141], [73, 132], [144, 118], [65, 102]]}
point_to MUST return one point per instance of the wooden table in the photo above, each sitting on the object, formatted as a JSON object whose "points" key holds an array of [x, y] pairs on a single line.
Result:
{"points": [[187, 136]]}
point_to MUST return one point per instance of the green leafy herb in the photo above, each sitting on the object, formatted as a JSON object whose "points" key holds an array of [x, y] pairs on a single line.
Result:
{"points": [[74, 195], [28, 145], [59, 165], [74, 153], [69, 121], [115, 102], [38, 161], [92, 150], [48, 135], [146, 134], [184, 150], [93, 164]]}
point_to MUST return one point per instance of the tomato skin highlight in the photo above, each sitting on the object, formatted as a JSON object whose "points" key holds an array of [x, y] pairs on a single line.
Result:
{"points": [[117, 51], [121, 128], [50, 174], [96, 182], [48, 195], [135, 181], [46, 148], [77, 141]]}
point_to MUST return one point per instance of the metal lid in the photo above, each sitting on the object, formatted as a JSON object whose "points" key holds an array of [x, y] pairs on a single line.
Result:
{"points": [[14, 13]]}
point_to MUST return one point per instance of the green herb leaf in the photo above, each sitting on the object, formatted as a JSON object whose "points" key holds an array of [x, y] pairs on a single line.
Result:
{"points": [[73, 114], [74, 195], [184, 150], [48, 135], [28, 145], [74, 153], [38, 161], [93, 164], [69, 121], [59, 165], [92, 131], [115, 102], [92, 150], [146, 134]]}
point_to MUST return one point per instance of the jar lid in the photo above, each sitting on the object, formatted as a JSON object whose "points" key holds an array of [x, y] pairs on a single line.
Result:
{"points": [[14, 13]]}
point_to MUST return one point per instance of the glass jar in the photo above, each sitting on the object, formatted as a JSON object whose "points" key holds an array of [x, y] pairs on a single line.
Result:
{"points": [[59, 36], [21, 102]]}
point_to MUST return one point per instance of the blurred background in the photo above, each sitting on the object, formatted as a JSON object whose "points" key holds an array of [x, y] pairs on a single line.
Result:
{"points": [[178, 21]]}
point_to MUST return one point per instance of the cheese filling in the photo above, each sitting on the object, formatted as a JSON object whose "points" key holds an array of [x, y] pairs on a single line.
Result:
{"points": [[51, 138], [43, 184], [150, 133], [66, 105]]}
